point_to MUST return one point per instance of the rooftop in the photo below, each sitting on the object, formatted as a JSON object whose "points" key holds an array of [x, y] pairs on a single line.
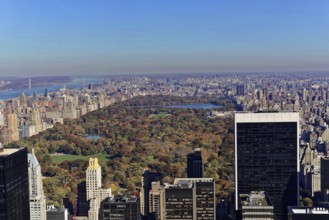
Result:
{"points": [[251, 117], [93, 164], [32, 159], [255, 198], [309, 210], [325, 157], [127, 199], [204, 180], [57, 210], [8, 151]]}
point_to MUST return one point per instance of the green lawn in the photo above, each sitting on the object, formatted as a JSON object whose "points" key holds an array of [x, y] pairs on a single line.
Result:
{"points": [[61, 158], [159, 115]]}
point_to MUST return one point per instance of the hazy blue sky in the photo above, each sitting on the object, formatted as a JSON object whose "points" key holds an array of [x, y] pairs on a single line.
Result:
{"points": [[66, 37]]}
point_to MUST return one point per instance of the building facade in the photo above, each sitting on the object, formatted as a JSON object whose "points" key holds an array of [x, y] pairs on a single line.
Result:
{"points": [[266, 157], [189, 198], [95, 193], [194, 164], [14, 184], [155, 201], [147, 179], [240, 90], [121, 208], [37, 198], [57, 214], [303, 213], [12, 125], [178, 203], [82, 202], [256, 206], [325, 178]]}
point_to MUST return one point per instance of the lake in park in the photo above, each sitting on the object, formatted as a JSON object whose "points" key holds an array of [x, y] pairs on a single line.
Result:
{"points": [[93, 137], [197, 106]]}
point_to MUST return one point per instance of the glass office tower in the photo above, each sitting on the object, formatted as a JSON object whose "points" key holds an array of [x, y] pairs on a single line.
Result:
{"points": [[14, 184], [266, 157]]}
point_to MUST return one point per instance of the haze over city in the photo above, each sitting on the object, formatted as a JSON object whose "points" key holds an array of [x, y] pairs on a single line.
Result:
{"points": [[113, 37]]}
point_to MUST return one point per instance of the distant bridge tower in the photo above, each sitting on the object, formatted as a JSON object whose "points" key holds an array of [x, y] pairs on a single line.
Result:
{"points": [[30, 83]]}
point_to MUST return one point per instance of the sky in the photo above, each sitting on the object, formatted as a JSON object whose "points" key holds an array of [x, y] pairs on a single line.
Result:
{"points": [[80, 37]]}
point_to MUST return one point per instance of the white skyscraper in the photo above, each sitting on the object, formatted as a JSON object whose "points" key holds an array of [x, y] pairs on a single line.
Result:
{"points": [[95, 193], [37, 198], [36, 119]]}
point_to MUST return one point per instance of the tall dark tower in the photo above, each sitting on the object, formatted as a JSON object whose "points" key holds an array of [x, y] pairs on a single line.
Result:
{"points": [[147, 179], [82, 202], [194, 164], [239, 90], [14, 184], [325, 178], [266, 158]]}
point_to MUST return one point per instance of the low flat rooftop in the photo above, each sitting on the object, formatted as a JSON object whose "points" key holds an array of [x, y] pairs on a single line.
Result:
{"points": [[194, 180], [309, 210], [257, 198], [124, 199]]}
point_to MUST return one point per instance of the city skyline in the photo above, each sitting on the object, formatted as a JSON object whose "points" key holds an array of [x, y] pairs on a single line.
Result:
{"points": [[264, 137], [109, 37]]}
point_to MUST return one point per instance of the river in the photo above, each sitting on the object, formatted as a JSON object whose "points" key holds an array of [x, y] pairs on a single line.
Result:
{"points": [[76, 83]]}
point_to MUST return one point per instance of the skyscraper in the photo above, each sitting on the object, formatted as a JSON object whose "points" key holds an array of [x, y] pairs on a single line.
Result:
{"points": [[147, 179], [57, 213], [155, 201], [256, 206], [178, 202], [36, 120], [189, 198], [266, 157], [37, 198], [93, 178], [95, 193], [14, 184], [82, 202], [30, 83], [22, 99], [239, 90], [194, 164], [304, 95], [325, 178], [12, 125], [121, 208]]}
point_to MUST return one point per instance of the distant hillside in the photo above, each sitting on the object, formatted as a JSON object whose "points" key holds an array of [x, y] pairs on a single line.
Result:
{"points": [[132, 138]]}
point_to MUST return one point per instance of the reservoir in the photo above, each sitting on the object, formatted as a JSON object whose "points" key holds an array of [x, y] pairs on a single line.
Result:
{"points": [[197, 106]]}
